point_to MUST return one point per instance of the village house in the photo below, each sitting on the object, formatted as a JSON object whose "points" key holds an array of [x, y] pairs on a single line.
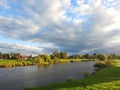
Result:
{"points": [[21, 57]]}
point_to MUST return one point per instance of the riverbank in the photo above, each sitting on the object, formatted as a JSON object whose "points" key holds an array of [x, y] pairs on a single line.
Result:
{"points": [[106, 79], [19, 78], [14, 63]]}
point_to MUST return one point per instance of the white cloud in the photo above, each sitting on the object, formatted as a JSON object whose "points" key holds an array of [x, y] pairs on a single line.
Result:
{"points": [[5, 4], [89, 26], [19, 48], [83, 9], [14, 27]]}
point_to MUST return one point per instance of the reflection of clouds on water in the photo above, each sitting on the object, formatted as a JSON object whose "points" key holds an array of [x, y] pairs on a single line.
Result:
{"points": [[29, 76]]}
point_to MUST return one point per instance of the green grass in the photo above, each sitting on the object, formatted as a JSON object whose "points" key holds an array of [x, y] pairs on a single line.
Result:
{"points": [[71, 60], [13, 63], [106, 79]]}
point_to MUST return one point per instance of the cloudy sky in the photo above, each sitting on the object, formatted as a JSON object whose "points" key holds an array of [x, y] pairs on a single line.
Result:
{"points": [[73, 26]]}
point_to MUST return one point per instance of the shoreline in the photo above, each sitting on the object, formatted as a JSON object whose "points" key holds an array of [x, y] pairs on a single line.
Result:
{"points": [[106, 78], [18, 63]]}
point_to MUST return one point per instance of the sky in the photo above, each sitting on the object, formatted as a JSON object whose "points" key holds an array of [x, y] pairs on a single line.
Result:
{"points": [[73, 26]]}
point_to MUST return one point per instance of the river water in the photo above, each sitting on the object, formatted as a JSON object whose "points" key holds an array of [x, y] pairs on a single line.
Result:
{"points": [[18, 78]]}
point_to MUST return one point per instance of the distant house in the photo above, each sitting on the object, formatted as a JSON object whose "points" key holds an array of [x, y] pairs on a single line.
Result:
{"points": [[21, 57]]}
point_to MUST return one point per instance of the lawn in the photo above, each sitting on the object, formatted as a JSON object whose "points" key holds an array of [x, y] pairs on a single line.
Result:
{"points": [[106, 79]]}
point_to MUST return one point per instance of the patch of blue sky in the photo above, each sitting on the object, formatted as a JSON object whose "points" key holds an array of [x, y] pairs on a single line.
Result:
{"points": [[74, 3], [109, 3], [85, 16], [14, 10], [86, 1], [13, 41], [74, 15], [71, 15]]}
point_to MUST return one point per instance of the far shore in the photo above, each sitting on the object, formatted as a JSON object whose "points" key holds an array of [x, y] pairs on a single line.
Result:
{"points": [[16, 63]]}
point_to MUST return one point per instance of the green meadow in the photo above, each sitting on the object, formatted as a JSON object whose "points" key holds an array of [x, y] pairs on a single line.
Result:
{"points": [[107, 78]]}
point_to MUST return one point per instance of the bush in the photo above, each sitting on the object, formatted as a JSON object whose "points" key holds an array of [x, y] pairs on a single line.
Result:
{"points": [[86, 74], [100, 64], [109, 63], [69, 79]]}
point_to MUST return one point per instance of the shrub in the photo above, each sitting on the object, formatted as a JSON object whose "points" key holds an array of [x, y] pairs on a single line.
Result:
{"points": [[109, 63], [100, 64], [86, 74], [93, 72], [69, 79]]}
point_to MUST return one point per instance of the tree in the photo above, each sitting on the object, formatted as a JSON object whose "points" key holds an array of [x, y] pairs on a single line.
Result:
{"points": [[12, 56], [105, 57], [87, 56], [56, 54], [6, 56], [30, 57], [56, 60], [113, 56], [95, 55], [46, 57], [63, 55], [40, 60], [0, 55], [102, 57]]}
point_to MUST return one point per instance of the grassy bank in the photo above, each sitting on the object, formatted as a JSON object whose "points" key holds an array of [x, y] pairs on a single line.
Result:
{"points": [[70, 60], [106, 79], [13, 63]]}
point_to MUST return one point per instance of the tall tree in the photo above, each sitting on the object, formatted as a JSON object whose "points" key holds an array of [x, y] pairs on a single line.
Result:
{"points": [[87, 56], [102, 57], [0, 55], [40, 60], [30, 57], [46, 57], [95, 55], [63, 55], [56, 54]]}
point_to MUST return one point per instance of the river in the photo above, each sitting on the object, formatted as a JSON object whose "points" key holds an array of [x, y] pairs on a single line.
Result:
{"points": [[18, 78]]}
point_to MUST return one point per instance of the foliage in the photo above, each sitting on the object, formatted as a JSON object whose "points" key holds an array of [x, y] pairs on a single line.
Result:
{"points": [[46, 57], [63, 55], [102, 64], [13, 63], [109, 63], [30, 57], [69, 79], [86, 74], [56, 54], [56, 60], [40, 60]]}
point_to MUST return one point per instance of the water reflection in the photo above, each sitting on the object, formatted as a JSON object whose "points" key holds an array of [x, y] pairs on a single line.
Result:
{"points": [[18, 78], [44, 66]]}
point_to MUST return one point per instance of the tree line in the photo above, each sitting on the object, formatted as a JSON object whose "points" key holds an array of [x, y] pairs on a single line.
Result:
{"points": [[95, 56], [60, 55]]}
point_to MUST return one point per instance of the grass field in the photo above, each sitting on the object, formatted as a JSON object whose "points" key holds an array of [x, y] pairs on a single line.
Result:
{"points": [[106, 79]]}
